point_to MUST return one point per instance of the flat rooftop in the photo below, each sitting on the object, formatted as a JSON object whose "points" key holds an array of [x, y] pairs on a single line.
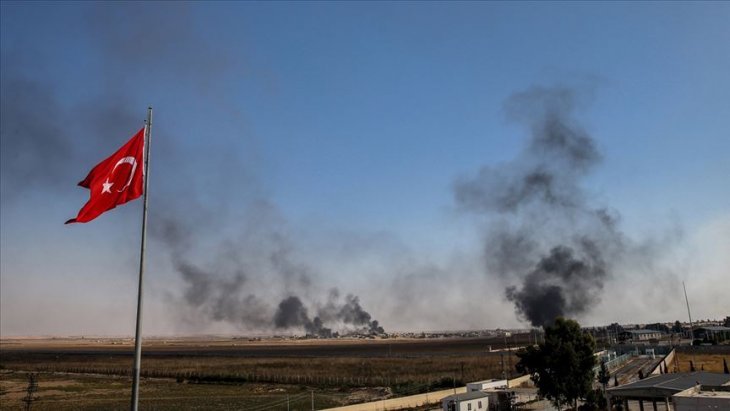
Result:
{"points": [[706, 392], [466, 396]]}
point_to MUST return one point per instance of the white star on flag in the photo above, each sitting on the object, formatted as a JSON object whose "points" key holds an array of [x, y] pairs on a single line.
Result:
{"points": [[107, 186]]}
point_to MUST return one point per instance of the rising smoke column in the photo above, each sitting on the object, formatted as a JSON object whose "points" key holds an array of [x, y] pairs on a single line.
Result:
{"points": [[291, 313], [349, 312], [229, 289], [544, 239]]}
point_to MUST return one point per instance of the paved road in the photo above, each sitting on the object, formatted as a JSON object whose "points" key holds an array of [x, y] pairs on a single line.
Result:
{"points": [[418, 400]]}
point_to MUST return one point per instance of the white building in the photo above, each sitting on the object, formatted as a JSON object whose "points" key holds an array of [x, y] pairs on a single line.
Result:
{"points": [[502, 399], [469, 401], [702, 398], [485, 385]]}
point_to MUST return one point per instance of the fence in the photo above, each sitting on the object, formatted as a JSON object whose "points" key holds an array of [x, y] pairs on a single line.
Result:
{"points": [[615, 363], [629, 348]]}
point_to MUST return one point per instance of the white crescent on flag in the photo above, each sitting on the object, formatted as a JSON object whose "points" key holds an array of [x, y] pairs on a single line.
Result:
{"points": [[126, 160]]}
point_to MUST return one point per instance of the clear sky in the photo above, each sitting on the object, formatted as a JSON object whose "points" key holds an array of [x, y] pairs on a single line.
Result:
{"points": [[312, 145]]}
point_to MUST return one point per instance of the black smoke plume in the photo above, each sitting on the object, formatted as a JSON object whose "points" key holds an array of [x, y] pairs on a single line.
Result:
{"points": [[292, 313], [230, 290], [543, 233], [560, 283], [349, 312]]}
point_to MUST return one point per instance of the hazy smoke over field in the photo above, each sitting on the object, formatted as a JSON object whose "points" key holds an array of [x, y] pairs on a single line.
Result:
{"points": [[38, 147], [253, 271], [292, 313], [26, 142], [230, 251], [544, 239]]}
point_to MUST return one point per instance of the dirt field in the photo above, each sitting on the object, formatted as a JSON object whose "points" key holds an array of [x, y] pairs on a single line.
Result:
{"points": [[87, 392], [702, 361], [228, 373]]}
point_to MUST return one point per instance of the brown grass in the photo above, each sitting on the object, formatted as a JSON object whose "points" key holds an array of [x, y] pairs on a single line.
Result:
{"points": [[325, 363], [233, 373], [708, 362], [82, 392]]}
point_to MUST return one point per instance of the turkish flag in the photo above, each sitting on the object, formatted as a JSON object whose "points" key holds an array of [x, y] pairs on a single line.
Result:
{"points": [[114, 181]]}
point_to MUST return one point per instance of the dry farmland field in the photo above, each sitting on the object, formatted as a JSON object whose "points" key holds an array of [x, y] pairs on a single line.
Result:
{"points": [[235, 373], [703, 361]]}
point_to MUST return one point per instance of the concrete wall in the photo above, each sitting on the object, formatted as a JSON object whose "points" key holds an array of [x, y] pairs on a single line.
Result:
{"points": [[700, 403], [464, 405], [669, 360], [516, 382], [401, 403]]}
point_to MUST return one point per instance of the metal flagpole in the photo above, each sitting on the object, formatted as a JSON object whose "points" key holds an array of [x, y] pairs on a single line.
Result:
{"points": [[138, 329], [691, 327]]}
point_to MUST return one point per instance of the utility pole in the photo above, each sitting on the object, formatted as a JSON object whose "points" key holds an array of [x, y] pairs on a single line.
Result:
{"points": [[501, 359], [689, 313], [691, 327], [509, 356], [32, 388]]}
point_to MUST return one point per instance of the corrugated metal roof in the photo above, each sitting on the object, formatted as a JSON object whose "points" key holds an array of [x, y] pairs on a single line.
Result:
{"points": [[673, 382]]}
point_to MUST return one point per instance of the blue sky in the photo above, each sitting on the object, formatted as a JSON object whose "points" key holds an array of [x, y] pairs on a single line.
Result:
{"points": [[353, 120]]}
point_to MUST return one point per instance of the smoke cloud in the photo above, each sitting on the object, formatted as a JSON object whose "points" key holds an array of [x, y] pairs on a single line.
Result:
{"points": [[250, 272], [38, 144], [26, 142], [235, 259], [543, 237], [292, 313], [236, 262]]}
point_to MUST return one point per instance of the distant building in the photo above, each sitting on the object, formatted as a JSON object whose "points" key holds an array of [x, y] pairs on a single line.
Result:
{"points": [[702, 398], [640, 335], [485, 385], [712, 333], [659, 327], [469, 401]]}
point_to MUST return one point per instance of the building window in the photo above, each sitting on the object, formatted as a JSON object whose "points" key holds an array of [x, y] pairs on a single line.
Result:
{"points": [[480, 405], [468, 406]]}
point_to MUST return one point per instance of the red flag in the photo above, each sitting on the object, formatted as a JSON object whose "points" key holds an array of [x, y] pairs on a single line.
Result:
{"points": [[114, 181]]}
